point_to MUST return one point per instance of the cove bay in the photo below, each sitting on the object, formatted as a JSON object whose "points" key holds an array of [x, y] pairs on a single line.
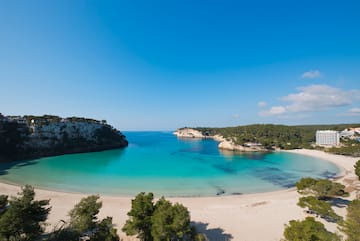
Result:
{"points": [[166, 165]]}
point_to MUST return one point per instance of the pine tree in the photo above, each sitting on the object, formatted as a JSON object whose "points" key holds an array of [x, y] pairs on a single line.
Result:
{"points": [[24, 218]]}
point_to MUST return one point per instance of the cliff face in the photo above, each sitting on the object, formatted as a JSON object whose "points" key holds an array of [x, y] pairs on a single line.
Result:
{"points": [[188, 133], [33, 137], [224, 143]]}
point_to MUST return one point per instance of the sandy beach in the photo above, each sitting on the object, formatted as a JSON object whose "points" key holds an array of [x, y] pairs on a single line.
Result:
{"points": [[248, 217]]}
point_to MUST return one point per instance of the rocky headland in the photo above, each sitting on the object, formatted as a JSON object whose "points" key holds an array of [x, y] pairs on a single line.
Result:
{"points": [[30, 137], [269, 137], [224, 143]]}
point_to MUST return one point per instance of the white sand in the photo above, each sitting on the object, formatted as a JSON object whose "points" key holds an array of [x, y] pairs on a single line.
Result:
{"points": [[249, 217]]}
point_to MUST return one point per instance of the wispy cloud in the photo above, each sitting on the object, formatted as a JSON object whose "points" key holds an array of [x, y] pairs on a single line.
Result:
{"points": [[313, 98], [312, 74], [317, 97], [275, 110], [262, 104], [354, 111]]}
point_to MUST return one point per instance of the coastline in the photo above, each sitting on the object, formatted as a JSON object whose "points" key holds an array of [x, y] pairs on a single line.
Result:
{"points": [[223, 143], [344, 163], [241, 216]]}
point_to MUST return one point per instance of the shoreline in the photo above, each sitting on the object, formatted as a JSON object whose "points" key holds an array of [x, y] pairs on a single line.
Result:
{"points": [[345, 167], [240, 216]]}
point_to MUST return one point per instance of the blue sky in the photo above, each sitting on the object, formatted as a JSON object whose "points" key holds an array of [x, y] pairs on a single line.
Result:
{"points": [[160, 65]]}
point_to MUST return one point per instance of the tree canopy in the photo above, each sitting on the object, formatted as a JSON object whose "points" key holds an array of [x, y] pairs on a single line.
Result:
{"points": [[83, 216], [357, 169], [162, 221], [269, 135], [84, 222], [321, 188], [351, 225], [319, 207], [170, 222], [3, 202], [23, 218], [308, 230], [142, 208]]}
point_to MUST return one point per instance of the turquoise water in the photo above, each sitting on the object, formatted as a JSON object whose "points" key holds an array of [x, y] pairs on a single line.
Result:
{"points": [[161, 163]]}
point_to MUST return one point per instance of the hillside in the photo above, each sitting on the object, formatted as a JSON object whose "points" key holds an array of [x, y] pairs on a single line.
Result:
{"points": [[30, 137], [281, 136]]}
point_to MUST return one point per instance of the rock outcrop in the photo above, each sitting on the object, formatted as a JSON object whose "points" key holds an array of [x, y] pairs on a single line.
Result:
{"points": [[248, 147], [188, 133], [31, 137], [224, 144]]}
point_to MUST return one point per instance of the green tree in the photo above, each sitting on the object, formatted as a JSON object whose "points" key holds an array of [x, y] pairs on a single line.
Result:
{"points": [[24, 218], [351, 225], [319, 207], [200, 237], [357, 169], [328, 189], [105, 231], [284, 137], [305, 185], [308, 230], [321, 188], [163, 221], [3, 202], [64, 234], [142, 208], [84, 223], [83, 216], [170, 222]]}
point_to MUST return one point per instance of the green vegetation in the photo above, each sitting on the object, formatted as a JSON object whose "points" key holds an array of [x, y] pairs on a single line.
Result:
{"points": [[3, 202], [83, 216], [42, 120], [308, 230], [47, 119], [351, 225], [281, 136], [142, 208], [199, 236], [108, 135], [285, 137], [357, 169], [105, 231], [319, 207], [349, 148], [323, 190], [305, 185], [161, 221], [84, 223], [320, 188], [170, 222], [24, 218]]}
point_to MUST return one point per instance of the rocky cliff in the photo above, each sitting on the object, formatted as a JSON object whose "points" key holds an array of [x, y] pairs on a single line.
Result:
{"points": [[31, 137], [188, 133], [225, 144]]}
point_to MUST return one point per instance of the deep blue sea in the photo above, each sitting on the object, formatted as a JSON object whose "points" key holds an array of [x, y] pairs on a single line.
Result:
{"points": [[166, 165]]}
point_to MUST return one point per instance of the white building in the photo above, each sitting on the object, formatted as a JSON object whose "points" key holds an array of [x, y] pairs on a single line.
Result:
{"points": [[327, 138], [347, 133]]}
